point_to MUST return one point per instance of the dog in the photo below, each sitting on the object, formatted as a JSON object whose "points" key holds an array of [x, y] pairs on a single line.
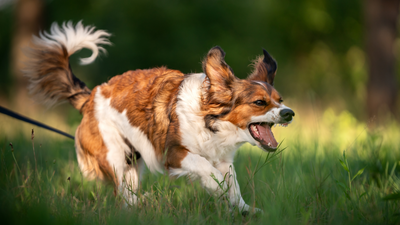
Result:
{"points": [[184, 124]]}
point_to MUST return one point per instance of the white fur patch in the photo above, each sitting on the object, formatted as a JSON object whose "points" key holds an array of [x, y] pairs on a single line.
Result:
{"points": [[200, 168], [113, 127], [74, 39], [215, 147]]}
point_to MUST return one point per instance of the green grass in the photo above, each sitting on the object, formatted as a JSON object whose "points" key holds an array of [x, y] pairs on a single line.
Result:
{"points": [[311, 181]]}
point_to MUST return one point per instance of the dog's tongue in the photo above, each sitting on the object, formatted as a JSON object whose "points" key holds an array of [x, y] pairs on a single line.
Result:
{"points": [[266, 136]]}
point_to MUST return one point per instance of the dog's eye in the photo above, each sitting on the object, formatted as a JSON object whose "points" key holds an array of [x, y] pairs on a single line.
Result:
{"points": [[260, 103], [280, 100]]}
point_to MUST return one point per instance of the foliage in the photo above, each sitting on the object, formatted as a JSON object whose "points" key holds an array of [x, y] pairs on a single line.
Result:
{"points": [[318, 43]]}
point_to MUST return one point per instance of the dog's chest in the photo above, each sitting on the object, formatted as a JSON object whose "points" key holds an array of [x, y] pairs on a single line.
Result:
{"points": [[218, 146]]}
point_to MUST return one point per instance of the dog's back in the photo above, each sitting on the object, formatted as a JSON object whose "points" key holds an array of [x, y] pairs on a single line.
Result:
{"points": [[145, 95]]}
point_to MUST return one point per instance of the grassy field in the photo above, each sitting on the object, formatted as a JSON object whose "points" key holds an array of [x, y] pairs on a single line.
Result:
{"points": [[331, 170]]}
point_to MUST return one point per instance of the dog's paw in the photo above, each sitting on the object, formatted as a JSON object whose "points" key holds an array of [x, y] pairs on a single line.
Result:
{"points": [[247, 210], [145, 199], [257, 210]]}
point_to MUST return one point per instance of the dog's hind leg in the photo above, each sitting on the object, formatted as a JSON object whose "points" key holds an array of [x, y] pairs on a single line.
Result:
{"points": [[131, 182], [127, 169]]}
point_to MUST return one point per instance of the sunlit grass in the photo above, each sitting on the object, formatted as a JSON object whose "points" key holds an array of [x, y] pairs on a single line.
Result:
{"points": [[311, 181]]}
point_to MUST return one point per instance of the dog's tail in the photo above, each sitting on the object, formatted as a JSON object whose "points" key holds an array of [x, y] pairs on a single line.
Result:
{"points": [[50, 76]]}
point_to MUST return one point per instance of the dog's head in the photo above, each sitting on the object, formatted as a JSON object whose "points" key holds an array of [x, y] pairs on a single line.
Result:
{"points": [[252, 105]]}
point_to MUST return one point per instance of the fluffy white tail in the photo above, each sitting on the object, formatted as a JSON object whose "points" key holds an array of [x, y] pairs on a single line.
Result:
{"points": [[51, 78], [74, 39]]}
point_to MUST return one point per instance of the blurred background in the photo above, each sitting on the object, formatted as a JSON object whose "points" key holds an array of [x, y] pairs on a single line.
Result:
{"points": [[338, 69], [338, 55]]}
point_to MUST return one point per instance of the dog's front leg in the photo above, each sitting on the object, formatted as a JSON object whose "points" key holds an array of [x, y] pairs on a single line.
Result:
{"points": [[198, 167], [228, 171]]}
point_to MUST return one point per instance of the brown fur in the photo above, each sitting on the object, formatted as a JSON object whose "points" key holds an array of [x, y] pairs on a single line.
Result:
{"points": [[243, 108], [51, 79], [150, 103], [264, 69], [217, 87], [90, 146]]}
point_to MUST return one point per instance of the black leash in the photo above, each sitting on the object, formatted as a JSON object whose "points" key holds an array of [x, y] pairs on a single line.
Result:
{"points": [[26, 119]]}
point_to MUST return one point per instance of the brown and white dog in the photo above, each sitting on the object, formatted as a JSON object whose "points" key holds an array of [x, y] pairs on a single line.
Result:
{"points": [[186, 124]]}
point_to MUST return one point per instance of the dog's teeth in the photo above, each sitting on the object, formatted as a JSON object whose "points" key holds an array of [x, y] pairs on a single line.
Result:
{"points": [[254, 128]]}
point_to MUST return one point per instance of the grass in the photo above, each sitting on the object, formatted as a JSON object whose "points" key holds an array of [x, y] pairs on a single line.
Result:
{"points": [[332, 171]]}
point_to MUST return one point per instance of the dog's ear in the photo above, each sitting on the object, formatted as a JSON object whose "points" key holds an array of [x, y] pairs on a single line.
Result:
{"points": [[220, 77], [264, 69], [217, 87]]}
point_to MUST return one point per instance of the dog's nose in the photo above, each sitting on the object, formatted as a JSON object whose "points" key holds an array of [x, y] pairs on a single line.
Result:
{"points": [[286, 114]]}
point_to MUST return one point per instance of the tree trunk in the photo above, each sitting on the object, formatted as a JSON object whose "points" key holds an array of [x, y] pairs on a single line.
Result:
{"points": [[381, 18], [27, 22]]}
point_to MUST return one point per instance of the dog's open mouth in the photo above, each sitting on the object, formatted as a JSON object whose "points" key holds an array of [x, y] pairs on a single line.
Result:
{"points": [[262, 133]]}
